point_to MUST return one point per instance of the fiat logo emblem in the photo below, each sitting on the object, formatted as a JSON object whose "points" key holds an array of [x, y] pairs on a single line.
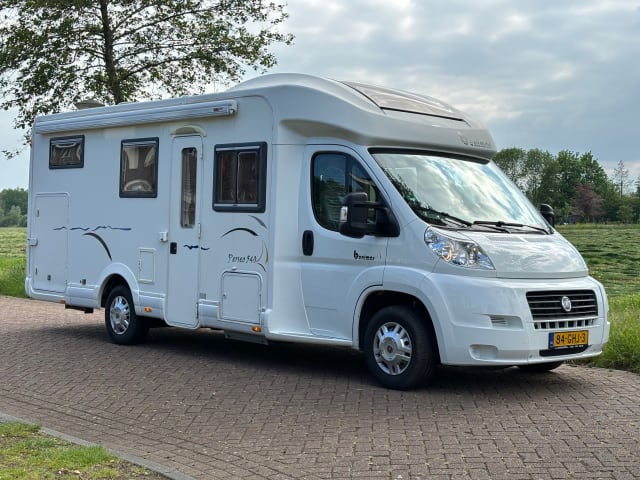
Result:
{"points": [[566, 304]]}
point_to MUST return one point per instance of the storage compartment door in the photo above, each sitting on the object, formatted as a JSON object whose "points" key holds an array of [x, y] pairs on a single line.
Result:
{"points": [[48, 243], [241, 297]]}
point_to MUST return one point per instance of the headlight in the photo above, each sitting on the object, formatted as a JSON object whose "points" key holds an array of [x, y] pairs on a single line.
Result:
{"points": [[457, 251]]}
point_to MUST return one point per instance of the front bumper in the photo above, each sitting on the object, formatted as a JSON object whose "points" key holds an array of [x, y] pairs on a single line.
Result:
{"points": [[489, 321]]}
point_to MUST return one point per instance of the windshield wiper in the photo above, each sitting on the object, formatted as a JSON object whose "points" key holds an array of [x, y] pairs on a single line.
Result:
{"points": [[441, 216], [504, 226]]}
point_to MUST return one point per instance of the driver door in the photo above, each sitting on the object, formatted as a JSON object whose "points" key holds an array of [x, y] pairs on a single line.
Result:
{"points": [[336, 269]]}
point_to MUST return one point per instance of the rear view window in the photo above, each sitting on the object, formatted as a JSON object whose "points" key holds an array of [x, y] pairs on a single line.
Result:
{"points": [[66, 152], [139, 168]]}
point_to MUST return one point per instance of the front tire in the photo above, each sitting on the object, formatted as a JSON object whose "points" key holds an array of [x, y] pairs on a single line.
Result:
{"points": [[123, 325], [399, 348]]}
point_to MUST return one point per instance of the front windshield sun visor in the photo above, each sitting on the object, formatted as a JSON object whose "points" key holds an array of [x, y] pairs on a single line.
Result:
{"points": [[459, 192]]}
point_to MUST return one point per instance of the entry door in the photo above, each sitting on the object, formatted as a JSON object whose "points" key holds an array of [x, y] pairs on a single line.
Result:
{"points": [[184, 232], [335, 269]]}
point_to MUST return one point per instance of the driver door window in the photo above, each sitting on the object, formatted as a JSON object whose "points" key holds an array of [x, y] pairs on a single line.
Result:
{"points": [[334, 175]]}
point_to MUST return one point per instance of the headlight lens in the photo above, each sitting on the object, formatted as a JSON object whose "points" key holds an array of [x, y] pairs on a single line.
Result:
{"points": [[456, 251]]}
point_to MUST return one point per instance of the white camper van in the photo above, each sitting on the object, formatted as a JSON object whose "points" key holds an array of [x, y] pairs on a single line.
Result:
{"points": [[300, 209]]}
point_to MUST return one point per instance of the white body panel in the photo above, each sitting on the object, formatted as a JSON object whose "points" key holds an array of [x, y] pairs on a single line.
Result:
{"points": [[249, 271]]}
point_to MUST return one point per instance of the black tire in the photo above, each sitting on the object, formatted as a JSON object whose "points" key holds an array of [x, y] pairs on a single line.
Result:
{"points": [[123, 325], [399, 348], [540, 367]]}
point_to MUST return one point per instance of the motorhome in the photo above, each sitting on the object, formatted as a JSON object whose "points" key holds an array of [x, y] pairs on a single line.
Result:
{"points": [[301, 209]]}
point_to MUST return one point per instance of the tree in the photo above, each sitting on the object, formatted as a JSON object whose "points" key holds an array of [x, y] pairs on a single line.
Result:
{"points": [[625, 213], [620, 177], [54, 53], [13, 196], [511, 162], [587, 203], [13, 207]]}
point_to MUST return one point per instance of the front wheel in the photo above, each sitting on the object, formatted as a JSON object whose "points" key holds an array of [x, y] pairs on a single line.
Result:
{"points": [[123, 325], [399, 348]]}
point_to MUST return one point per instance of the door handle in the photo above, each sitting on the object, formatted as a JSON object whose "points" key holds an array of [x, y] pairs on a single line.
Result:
{"points": [[173, 248], [307, 242]]}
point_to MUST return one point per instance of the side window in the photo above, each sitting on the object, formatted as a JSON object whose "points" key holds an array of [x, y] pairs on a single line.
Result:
{"points": [[66, 152], [139, 168], [188, 190], [240, 177], [334, 176]]}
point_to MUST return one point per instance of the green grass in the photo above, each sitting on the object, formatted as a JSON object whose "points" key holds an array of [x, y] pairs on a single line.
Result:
{"points": [[12, 261], [28, 454], [623, 350], [12, 271], [13, 242], [612, 253]]}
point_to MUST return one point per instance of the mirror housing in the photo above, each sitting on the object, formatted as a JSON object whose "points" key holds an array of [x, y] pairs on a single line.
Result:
{"points": [[355, 212], [547, 212]]}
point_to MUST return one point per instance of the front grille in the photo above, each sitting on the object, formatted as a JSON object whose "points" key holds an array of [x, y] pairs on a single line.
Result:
{"points": [[548, 312]]}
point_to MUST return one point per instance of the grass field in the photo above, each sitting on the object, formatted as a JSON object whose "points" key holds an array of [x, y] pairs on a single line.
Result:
{"points": [[612, 253], [12, 261]]}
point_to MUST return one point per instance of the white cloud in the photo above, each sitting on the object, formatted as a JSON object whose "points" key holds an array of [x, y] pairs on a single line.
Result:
{"points": [[539, 73]]}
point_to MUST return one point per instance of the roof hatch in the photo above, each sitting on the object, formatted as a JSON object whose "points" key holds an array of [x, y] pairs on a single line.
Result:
{"points": [[401, 101]]}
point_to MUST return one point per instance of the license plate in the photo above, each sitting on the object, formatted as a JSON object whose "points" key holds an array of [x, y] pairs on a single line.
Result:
{"points": [[568, 339]]}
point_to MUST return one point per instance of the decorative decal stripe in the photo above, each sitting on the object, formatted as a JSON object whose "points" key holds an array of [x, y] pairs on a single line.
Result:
{"points": [[191, 247], [258, 220], [104, 244], [242, 230], [94, 229]]}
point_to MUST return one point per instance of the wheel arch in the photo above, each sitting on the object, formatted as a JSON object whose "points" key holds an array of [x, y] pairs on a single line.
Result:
{"points": [[118, 274], [379, 299], [109, 284]]}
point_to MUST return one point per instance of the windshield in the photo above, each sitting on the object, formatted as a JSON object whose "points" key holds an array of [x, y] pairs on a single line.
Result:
{"points": [[459, 192]]}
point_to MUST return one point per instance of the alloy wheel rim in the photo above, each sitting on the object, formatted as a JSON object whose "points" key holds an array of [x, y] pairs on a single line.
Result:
{"points": [[392, 348], [120, 315]]}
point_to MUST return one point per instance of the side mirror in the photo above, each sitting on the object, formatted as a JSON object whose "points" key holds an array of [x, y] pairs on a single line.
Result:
{"points": [[547, 212], [355, 220]]}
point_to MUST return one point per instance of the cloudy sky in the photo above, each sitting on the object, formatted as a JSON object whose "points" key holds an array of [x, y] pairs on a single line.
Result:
{"points": [[549, 74]]}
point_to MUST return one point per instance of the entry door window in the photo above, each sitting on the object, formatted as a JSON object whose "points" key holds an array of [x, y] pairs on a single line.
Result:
{"points": [[188, 192]]}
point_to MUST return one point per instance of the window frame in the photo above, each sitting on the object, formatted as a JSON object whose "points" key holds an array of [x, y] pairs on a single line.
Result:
{"points": [[260, 205], [188, 209], [66, 139], [350, 162], [147, 141]]}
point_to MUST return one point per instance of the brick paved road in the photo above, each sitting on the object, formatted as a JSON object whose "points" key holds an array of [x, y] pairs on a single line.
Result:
{"points": [[217, 409]]}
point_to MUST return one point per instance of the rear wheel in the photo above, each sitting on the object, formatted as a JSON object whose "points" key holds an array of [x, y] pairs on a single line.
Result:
{"points": [[123, 325], [399, 348], [540, 367]]}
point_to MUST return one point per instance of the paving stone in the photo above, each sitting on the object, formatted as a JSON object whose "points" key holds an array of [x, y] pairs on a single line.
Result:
{"points": [[212, 408]]}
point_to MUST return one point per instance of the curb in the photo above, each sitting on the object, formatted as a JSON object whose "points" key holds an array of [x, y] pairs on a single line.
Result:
{"points": [[141, 462]]}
